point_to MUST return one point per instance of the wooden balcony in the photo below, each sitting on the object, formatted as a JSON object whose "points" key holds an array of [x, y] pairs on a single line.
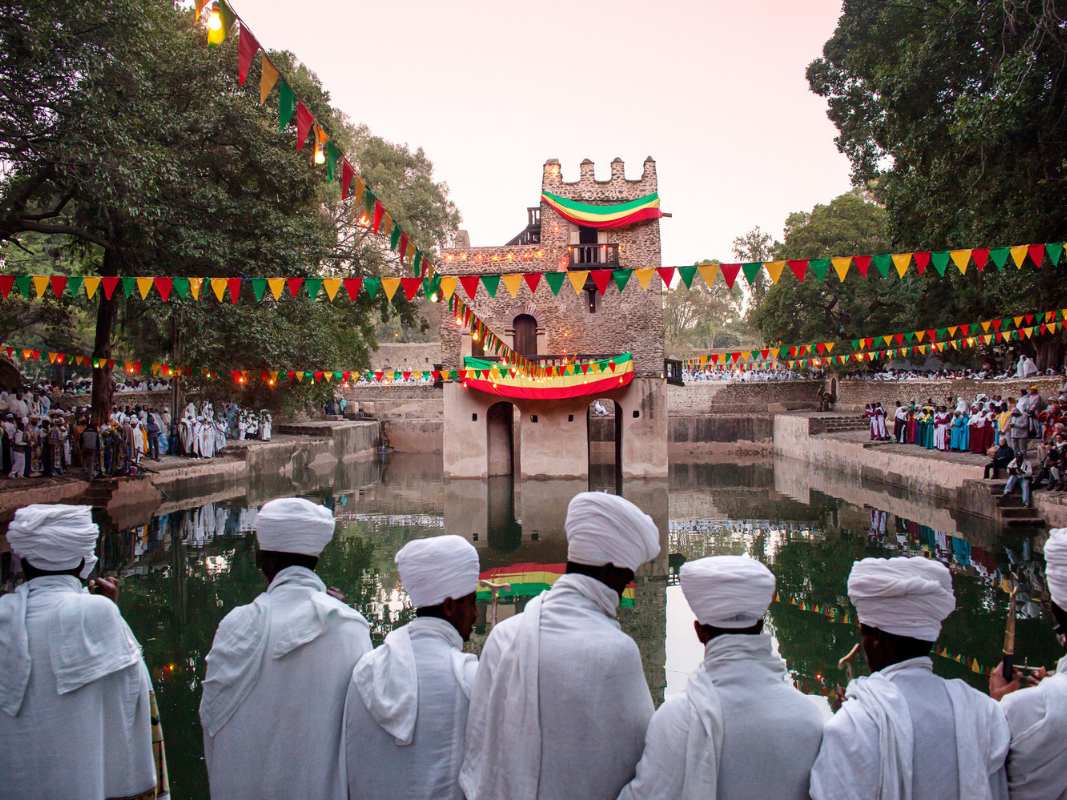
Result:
{"points": [[593, 256]]}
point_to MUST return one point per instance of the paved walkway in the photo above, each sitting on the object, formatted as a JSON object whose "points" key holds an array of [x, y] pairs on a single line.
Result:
{"points": [[864, 438]]}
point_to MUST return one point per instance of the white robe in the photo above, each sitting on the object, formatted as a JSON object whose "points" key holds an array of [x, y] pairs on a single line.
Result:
{"points": [[560, 704], [406, 715], [274, 695], [1037, 762], [741, 731], [905, 733], [82, 726]]}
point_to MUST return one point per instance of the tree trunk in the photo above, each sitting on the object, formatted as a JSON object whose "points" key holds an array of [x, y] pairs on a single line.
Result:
{"points": [[1049, 353], [105, 322]]}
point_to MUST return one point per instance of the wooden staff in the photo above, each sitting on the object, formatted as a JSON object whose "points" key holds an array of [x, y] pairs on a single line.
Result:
{"points": [[845, 662], [1008, 661]]}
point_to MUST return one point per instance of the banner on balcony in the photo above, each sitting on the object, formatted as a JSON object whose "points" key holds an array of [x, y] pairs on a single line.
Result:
{"points": [[616, 215], [581, 379], [529, 579]]}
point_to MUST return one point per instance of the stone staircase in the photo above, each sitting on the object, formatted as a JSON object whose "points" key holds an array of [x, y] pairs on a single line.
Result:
{"points": [[1010, 509]]}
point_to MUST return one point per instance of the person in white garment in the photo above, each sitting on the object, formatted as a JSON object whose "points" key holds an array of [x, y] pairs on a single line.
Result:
{"points": [[1037, 716], [407, 702], [278, 671], [560, 704], [904, 733], [740, 731], [75, 716]]}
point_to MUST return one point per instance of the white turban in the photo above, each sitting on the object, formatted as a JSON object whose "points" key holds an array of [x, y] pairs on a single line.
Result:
{"points": [[294, 525], [727, 591], [55, 537], [435, 569], [1056, 566], [903, 596], [606, 529]]}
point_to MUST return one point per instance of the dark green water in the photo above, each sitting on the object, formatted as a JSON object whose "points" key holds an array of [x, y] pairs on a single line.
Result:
{"points": [[184, 569]]}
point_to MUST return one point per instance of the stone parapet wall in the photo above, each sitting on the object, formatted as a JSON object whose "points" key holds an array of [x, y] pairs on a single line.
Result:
{"points": [[756, 397], [419, 356], [854, 395]]}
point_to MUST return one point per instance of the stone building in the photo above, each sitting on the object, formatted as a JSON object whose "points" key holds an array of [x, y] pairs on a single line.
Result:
{"points": [[485, 435]]}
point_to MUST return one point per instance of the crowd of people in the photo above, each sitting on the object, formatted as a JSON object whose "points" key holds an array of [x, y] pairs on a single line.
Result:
{"points": [[79, 385], [298, 703], [747, 375], [203, 431]]}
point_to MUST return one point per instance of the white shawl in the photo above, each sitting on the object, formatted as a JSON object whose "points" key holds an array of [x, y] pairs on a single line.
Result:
{"points": [[1037, 765]]}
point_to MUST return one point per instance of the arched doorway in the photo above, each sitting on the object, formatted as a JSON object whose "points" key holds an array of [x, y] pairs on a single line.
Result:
{"points": [[525, 338], [500, 447], [604, 425]]}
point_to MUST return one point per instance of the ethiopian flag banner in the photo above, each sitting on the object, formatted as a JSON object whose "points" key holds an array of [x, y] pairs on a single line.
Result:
{"points": [[529, 579], [618, 215], [559, 382]]}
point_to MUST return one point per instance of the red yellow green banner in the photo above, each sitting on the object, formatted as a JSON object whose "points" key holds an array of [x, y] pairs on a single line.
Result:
{"points": [[529, 579], [559, 382], [605, 216]]}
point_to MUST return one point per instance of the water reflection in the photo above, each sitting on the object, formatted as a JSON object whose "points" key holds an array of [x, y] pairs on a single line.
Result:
{"points": [[187, 563]]}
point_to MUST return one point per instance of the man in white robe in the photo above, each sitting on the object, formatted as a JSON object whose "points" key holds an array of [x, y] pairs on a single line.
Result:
{"points": [[406, 712], [75, 715], [903, 732], [278, 671], [560, 705], [1037, 716], [741, 730]]}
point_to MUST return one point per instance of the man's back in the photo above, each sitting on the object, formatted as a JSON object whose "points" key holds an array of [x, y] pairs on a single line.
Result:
{"points": [[1037, 763]]}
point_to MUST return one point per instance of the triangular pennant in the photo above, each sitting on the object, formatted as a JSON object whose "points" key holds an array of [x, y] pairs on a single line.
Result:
{"points": [[882, 263], [389, 286], [820, 266], [448, 286], [1037, 254], [491, 283], [294, 285], [1018, 255], [774, 270], [304, 121], [666, 274], [687, 274], [218, 286], [553, 279], [621, 278], [980, 256], [841, 266], [276, 286], [799, 268], [74, 285], [352, 287], [1054, 250], [312, 287], [901, 262], [644, 277], [939, 259], [129, 286], [331, 285], [411, 287], [268, 76], [533, 279], [91, 284], [999, 256], [110, 283], [371, 287], [512, 281], [40, 284], [863, 264], [58, 284], [729, 273], [470, 285], [259, 288], [962, 259], [181, 287], [577, 279], [247, 47], [144, 286], [751, 270]]}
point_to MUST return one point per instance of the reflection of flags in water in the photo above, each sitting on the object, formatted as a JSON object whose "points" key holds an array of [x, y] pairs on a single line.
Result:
{"points": [[529, 579]]}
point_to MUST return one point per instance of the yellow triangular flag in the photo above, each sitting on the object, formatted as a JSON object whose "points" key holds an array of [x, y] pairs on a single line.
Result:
{"points": [[389, 286], [511, 282], [331, 285], [644, 276], [144, 286], [91, 284], [708, 273], [829, 347], [194, 287], [841, 266], [267, 78], [448, 286], [277, 286], [1052, 327], [775, 351], [1018, 321], [218, 286], [952, 329], [1018, 255], [888, 338], [577, 279], [40, 283], [901, 262], [986, 324], [919, 335], [774, 269], [961, 258]]}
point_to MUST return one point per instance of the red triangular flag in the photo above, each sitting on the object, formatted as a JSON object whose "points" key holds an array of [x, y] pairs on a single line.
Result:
{"points": [[59, 284], [667, 274], [922, 260], [294, 285], [601, 277], [379, 212], [7, 282], [347, 174], [532, 280], [1037, 254], [304, 121], [863, 263], [411, 287], [470, 285], [109, 282], [980, 256], [233, 285], [996, 324], [799, 268], [164, 286], [352, 286], [729, 273], [247, 47]]}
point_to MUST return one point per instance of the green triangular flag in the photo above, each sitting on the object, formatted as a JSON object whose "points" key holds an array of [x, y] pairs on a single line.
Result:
{"points": [[332, 155], [338, 374], [228, 17], [394, 238], [371, 286], [621, 277], [820, 266], [74, 285], [687, 274], [490, 282], [129, 286], [999, 256], [882, 263], [259, 286], [286, 105], [909, 336], [942, 333], [752, 270], [181, 287], [1054, 250], [940, 261], [416, 263], [368, 200], [22, 285], [430, 286], [555, 280], [855, 344], [1006, 323], [312, 286]]}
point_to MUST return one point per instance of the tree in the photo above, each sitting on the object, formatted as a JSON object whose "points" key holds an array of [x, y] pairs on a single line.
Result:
{"points": [[702, 318], [754, 245]]}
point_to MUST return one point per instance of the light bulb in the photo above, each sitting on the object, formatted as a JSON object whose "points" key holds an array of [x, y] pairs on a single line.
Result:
{"points": [[433, 297], [214, 21], [320, 157]]}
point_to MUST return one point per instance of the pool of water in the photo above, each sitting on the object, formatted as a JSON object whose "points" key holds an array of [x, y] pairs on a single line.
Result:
{"points": [[188, 563]]}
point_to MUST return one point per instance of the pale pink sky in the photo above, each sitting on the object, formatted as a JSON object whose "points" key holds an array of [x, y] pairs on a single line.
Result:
{"points": [[714, 90]]}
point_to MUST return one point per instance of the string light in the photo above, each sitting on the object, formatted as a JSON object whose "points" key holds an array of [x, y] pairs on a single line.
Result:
{"points": [[216, 35]]}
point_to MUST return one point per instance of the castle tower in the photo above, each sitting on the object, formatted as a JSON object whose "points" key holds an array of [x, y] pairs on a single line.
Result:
{"points": [[588, 224]]}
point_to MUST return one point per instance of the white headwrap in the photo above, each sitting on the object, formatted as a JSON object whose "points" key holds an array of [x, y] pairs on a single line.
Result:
{"points": [[1056, 566], [903, 596], [55, 537], [727, 591], [435, 569], [294, 525], [606, 529]]}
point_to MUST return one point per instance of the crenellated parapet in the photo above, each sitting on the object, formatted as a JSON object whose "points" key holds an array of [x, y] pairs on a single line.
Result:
{"points": [[590, 189]]}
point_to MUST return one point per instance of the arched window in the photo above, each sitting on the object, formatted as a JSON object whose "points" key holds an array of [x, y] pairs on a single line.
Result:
{"points": [[525, 335]]}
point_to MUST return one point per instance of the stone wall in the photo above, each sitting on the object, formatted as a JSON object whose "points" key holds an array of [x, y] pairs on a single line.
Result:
{"points": [[420, 356], [412, 416], [854, 395], [756, 397]]}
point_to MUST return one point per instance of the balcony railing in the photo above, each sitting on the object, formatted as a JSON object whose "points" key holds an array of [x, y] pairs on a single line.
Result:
{"points": [[586, 256]]}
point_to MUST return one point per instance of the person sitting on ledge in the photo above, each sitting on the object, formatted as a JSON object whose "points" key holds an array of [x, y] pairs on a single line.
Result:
{"points": [[1001, 458], [1020, 474]]}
